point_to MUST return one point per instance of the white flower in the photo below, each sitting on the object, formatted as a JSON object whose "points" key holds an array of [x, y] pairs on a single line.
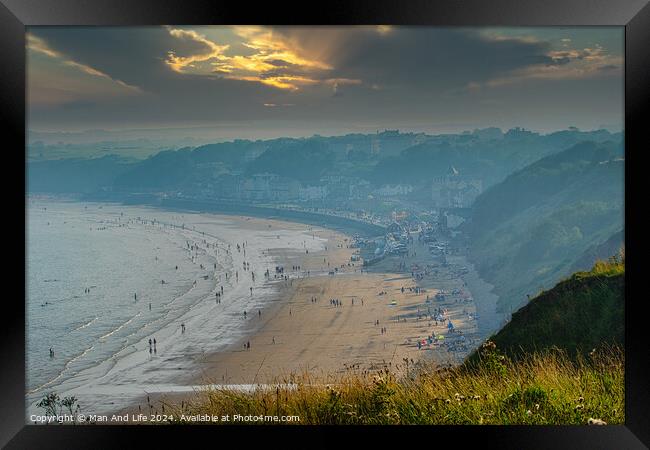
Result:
{"points": [[592, 421]]}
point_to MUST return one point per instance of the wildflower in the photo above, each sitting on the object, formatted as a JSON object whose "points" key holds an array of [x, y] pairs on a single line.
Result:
{"points": [[592, 421]]}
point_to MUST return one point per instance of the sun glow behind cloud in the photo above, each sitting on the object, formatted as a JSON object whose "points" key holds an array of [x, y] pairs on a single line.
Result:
{"points": [[272, 60], [386, 76]]}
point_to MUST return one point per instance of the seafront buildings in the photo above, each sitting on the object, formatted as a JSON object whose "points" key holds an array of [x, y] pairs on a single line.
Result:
{"points": [[454, 190]]}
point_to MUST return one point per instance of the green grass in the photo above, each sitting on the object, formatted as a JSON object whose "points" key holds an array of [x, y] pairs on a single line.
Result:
{"points": [[535, 371], [542, 388], [578, 314], [558, 362]]}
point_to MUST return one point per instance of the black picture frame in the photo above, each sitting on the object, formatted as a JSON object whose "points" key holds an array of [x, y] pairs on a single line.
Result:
{"points": [[634, 15]]}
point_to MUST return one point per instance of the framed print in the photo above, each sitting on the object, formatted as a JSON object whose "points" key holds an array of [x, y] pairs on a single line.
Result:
{"points": [[364, 214]]}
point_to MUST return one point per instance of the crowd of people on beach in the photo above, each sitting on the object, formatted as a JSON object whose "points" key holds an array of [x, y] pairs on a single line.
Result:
{"points": [[439, 315], [335, 302]]}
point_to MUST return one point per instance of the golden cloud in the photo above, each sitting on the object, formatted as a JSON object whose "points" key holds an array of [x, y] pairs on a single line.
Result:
{"points": [[567, 65], [274, 60]]}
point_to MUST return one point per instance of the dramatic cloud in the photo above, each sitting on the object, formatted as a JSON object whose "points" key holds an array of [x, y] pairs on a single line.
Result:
{"points": [[564, 64], [40, 46], [272, 61], [322, 77]]}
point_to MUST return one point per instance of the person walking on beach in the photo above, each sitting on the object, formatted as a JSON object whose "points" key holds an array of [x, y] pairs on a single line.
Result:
{"points": [[244, 314]]}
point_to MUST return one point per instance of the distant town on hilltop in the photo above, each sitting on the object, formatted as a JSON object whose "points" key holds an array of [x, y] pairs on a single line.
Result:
{"points": [[444, 171]]}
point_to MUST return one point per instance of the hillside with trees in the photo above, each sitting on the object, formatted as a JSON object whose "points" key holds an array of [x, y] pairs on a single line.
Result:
{"points": [[530, 230]]}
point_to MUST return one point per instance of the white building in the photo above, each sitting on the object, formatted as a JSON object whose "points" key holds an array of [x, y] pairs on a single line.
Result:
{"points": [[310, 193], [455, 191], [394, 190], [267, 186]]}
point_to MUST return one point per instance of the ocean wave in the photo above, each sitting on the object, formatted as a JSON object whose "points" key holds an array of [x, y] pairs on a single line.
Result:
{"points": [[86, 324], [120, 327], [66, 366]]}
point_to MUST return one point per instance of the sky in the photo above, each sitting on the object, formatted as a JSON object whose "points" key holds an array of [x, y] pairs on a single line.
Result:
{"points": [[264, 82]]}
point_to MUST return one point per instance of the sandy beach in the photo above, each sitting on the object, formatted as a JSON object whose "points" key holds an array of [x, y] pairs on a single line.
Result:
{"points": [[294, 302], [301, 332], [304, 335]]}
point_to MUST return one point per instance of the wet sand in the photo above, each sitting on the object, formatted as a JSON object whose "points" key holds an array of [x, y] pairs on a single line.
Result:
{"points": [[296, 335], [301, 335]]}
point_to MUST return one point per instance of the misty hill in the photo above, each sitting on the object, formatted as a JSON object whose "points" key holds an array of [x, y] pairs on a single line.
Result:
{"points": [[579, 314], [600, 251], [537, 225], [304, 161], [389, 157], [75, 175], [165, 170], [486, 154]]}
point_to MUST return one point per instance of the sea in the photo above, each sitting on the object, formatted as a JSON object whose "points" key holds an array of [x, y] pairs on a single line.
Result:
{"points": [[104, 279]]}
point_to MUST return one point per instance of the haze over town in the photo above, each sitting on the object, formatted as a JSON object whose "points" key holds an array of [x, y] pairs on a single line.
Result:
{"points": [[219, 206]]}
